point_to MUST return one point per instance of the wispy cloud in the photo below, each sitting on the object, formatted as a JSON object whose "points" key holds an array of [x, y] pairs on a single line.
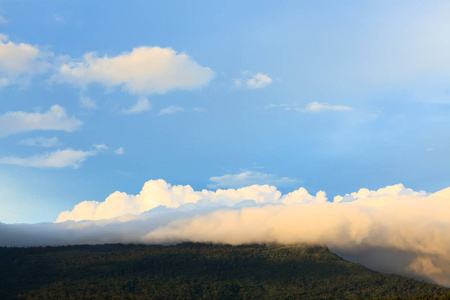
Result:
{"points": [[253, 81], [41, 141], [87, 103], [55, 118], [172, 109], [143, 71], [198, 109], [58, 159], [119, 151], [66, 158], [247, 178], [141, 105], [321, 107], [3, 20], [314, 107]]}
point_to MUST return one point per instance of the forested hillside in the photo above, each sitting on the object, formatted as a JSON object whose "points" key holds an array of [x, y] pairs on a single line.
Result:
{"points": [[192, 270]]}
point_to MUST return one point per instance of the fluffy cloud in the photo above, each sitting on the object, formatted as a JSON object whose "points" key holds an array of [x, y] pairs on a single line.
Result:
{"points": [[253, 81], [143, 71], [246, 178], [320, 107], [393, 229], [57, 159], [172, 109], [159, 193], [41, 141], [55, 118], [141, 105], [20, 60]]}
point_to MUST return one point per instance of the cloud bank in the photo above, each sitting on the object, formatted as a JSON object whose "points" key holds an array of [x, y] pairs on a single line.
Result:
{"points": [[143, 71], [55, 118], [393, 229]]}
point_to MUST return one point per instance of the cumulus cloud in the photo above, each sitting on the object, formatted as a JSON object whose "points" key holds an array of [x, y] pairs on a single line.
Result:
{"points": [[393, 229], [143, 71], [17, 61], [170, 110], [253, 81], [320, 107], [141, 105], [158, 192], [41, 141], [55, 118], [246, 178], [57, 159]]}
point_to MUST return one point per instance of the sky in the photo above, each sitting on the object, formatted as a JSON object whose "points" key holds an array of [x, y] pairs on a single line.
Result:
{"points": [[244, 121], [102, 96]]}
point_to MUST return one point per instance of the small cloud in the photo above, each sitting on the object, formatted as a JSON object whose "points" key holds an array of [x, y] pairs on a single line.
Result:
{"points": [[58, 159], [100, 147], [54, 119], [320, 107], [41, 141], [119, 151], [253, 81], [87, 103], [141, 105], [170, 110], [143, 71], [19, 61], [247, 178], [429, 149]]}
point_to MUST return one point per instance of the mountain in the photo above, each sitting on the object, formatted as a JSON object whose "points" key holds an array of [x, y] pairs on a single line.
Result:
{"points": [[194, 270]]}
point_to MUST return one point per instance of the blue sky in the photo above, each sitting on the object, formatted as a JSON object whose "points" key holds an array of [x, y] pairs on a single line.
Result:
{"points": [[102, 96]]}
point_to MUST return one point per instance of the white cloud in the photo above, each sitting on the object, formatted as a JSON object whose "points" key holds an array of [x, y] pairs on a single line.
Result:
{"points": [[55, 118], [119, 151], [172, 109], [253, 81], [17, 61], [141, 105], [58, 159], [320, 107], [393, 229], [247, 178], [143, 71], [41, 141], [88, 103], [100, 147], [158, 192]]}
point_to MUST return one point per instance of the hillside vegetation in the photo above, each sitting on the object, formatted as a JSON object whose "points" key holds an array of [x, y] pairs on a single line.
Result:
{"points": [[192, 270]]}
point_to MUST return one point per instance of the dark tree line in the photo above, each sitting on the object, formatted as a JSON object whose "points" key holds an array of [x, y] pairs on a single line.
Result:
{"points": [[196, 271]]}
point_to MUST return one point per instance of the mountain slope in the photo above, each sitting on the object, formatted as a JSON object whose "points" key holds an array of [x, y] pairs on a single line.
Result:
{"points": [[192, 270]]}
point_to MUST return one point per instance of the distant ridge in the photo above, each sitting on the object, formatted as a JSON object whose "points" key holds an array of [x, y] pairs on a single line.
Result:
{"points": [[197, 271]]}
